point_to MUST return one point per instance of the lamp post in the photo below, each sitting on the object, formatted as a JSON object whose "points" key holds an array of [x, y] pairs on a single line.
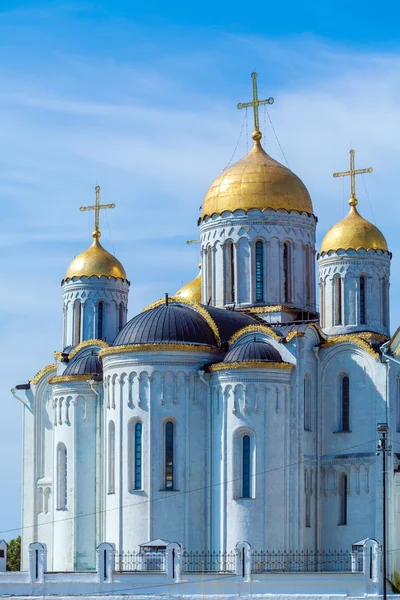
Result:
{"points": [[383, 429]]}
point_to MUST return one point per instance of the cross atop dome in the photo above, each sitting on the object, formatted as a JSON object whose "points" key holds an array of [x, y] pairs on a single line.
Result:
{"points": [[256, 135], [352, 173], [97, 207]]}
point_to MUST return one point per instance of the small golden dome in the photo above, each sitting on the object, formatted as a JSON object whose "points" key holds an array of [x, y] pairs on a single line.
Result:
{"points": [[353, 232], [256, 181], [95, 261], [191, 291]]}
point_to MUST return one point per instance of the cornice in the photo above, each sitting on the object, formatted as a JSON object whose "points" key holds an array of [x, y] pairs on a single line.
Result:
{"points": [[42, 372], [268, 309], [69, 378], [158, 347], [251, 364]]}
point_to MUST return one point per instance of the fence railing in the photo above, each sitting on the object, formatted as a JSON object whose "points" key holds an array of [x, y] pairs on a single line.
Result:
{"points": [[208, 562], [304, 561], [140, 561]]}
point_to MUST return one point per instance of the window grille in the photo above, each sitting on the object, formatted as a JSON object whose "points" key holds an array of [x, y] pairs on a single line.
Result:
{"points": [[259, 271], [246, 467], [345, 397], [138, 456], [362, 301], [100, 316]]}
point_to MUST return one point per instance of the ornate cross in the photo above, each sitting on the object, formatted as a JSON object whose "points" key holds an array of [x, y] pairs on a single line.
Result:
{"points": [[97, 207], [352, 173], [255, 104]]}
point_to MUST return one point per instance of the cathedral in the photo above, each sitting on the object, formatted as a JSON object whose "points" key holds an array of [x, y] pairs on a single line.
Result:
{"points": [[235, 410]]}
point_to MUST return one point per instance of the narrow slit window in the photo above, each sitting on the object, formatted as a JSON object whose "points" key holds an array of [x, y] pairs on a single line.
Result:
{"points": [[345, 401], [138, 456], [338, 301], [362, 301], [77, 323], [259, 271], [120, 316], [61, 477], [307, 499], [343, 499], [230, 273], [286, 272], [100, 319], [169, 455], [246, 467]]}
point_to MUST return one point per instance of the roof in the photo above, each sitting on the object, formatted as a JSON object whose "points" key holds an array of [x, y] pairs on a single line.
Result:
{"points": [[253, 350], [85, 363]]}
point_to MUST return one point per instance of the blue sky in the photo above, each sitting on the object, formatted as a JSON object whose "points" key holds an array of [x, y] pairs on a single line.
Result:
{"points": [[143, 102]]}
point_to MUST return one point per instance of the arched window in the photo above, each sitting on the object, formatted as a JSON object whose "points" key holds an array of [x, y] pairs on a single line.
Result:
{"points": [[111, 457], [338, 300], [120, 316], [138, 456], [209, 274], [342, 499], [230, 273], [246, 467], [61, 477], [77, 322], [169, 455], [259, 271], [307, 402], [345, 403], [286, 272], [385, 308], [100, 318], [363, 318]]}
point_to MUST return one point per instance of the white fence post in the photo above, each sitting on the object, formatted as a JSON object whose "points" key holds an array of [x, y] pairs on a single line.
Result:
{"points": [[105, 562], [174, 561], [37, 562], [243, 560], [372, 567], [3, 556]]}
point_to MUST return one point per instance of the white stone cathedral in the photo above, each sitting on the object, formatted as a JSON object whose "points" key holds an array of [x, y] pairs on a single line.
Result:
{"points": [[233, 410]]}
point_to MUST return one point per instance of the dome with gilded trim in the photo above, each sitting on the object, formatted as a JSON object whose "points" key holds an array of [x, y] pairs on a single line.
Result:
{"points": [[256, 181], [85, 363], [95, 261], [191, 291], [253, 351]]}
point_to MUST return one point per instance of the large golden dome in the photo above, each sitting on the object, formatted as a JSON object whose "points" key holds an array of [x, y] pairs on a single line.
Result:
{"points": [[95, 261], [353, 232], [256, 181], [191, 291]]}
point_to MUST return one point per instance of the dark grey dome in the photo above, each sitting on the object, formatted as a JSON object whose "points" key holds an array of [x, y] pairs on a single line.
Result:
{"points": [[172, 323], [255, 351], [85, 363], [229, 321]]}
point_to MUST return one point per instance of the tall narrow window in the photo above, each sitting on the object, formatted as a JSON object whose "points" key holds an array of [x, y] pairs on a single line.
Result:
{"points": [[246, 467], [77, 322], [111, 457], [338, 300], [307, 492], [342, 499], [138, 456], [61, 477], [100, 318], [362, 300], [307, 402], [120, 316], [230, 273], [286, 272], [259, 271], [209, 274], [385, 311], [169, 455], [345, 403]]}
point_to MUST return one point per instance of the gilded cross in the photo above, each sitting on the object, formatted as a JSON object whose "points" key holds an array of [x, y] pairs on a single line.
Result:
{"points": [[352, 173], [255, 104], [97, 207]]}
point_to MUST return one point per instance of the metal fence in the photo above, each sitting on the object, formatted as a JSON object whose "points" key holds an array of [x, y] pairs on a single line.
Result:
{"points": [[208, 562], [304, 561], [140, 561]]}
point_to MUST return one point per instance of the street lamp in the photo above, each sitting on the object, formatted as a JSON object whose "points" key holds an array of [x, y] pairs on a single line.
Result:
{"points": [[382, 429]]}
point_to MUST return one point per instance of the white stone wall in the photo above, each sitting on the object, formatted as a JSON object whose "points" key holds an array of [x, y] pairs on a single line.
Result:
{"points": [[89, 292], [350, 266], [273, 228]]}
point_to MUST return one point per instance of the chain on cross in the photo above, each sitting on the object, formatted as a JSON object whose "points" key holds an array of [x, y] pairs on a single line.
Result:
{"points": [[255, 104], [352, 173], [97, 207]]}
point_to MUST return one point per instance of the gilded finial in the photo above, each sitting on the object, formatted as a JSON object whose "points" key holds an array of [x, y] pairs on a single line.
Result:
{"points": [[97, 207], [352, 173], [256, 135]]}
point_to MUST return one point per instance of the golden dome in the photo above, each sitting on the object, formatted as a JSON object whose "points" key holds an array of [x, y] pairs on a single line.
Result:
{"points": [[256, 181], [191, 291], [353, 232], [95, 261]]}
